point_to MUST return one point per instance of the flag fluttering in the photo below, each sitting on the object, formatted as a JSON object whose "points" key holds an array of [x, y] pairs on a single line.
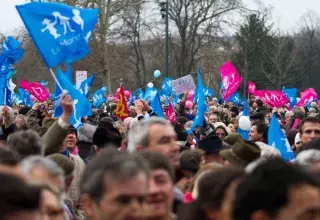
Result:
{"points": [[273, 98], [122, 109], [36, 89], [231, 79]]}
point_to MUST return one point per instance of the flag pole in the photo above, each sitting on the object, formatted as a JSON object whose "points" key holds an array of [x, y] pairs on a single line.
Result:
{"points": [[55, 79]]}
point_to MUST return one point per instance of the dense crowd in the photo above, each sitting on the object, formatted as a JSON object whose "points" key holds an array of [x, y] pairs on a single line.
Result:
{"points": [[146, 167]]}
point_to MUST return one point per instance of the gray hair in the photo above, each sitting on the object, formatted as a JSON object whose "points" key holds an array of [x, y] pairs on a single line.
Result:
{"points": [[139, 133], [85, 133], [11, 114], [26, 143], [308, 157], [46, 164]]}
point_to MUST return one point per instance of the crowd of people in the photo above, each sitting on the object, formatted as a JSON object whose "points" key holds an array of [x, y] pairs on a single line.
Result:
{"points": [[146, 167]]}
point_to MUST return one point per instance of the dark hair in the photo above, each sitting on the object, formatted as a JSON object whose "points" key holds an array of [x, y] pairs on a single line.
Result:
{"points": [[262, 128], [313, 120], [311, 145], [259, 103], [110, 164], [291, 135], [180, 131], [104, 136], [267, 187], [16, 196], [212, 188], [223, 128], [8, 157], [157, 161]]}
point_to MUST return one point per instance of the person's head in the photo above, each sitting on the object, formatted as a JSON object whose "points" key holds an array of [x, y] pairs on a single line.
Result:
{"points": [[21, 122], [26, 143], [213, 118], [216, 195], [66, 165], [181, 134], [288, 116], [9, 162], [211, 146], [114, 186], [309, 158], [159, 201], [221, 132], [278, 191], [70, 140], [85, 133], [234, 111], [51, 204], [155, 134], [232, 128], [258, 132], [104, 137], [43, 170], [18, 200], [309, 129]]}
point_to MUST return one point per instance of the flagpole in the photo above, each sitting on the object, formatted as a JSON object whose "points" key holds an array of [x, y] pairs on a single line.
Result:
{"points": [[55, 79]]}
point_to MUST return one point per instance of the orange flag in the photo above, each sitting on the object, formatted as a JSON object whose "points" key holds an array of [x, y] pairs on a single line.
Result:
{"points": [[122, 109]]}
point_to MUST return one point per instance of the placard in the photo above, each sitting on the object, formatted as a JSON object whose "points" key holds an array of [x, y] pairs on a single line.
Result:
{"points": [[80, 77], [183, 84]]}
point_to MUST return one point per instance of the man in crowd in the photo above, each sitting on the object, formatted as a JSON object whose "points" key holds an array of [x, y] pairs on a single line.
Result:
{"points": [[309, 129], [114, 186]]}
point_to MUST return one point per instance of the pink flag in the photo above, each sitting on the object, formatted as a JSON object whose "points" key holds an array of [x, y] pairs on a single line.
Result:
{"points": [[36, 89], [251, 87], [230, 78], [273, 98], [170, 113], [307, 96]]}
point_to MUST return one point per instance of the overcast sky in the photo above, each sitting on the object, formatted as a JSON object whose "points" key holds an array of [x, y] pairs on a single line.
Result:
{"points": [[286, 12]]}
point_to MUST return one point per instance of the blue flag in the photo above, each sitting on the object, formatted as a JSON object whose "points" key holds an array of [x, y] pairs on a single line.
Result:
{"points": [[81, 105], [86, 85], [199, 119], [140, 94], [244, 134], [277, 138], [44, 83], [292, 95], [99, 97], [25, 97], [167, 87], [208, 92], [236, 99], [150, 93], [60, 32], [156, 105], [11, 49]]}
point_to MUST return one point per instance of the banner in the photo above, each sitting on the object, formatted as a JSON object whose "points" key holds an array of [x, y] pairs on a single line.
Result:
{"points": [[273, 98], [183, 84], [251, 87], [80, 77], [307, 96]]}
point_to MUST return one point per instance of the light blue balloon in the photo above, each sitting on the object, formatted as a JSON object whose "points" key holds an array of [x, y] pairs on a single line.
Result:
{"points": [[156, 73]]}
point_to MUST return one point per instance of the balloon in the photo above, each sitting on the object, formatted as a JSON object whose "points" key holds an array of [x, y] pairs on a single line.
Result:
{"points": [[150, 85], [189, 104], [126, 93], [190, 96], [118, 90], [156, 73], [244, 123]]}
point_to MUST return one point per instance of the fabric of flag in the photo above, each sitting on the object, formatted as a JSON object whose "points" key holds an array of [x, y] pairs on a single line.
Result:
{"points": [[307, 96], [60, 32], [244, 134], [122, 109], [230, 78], [208, 92], [236, 99], [25, 97], [272, 97], [222, 86], [156, 105], [99, 97], [199, 119], [170, 113], [149, 93], [15, 99], [277, 138], [251, 87], [292, 95], [140, 94], [11, 49], [167, 87], [36, 89], [44, 83], [86, 85], [81, 105]]}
